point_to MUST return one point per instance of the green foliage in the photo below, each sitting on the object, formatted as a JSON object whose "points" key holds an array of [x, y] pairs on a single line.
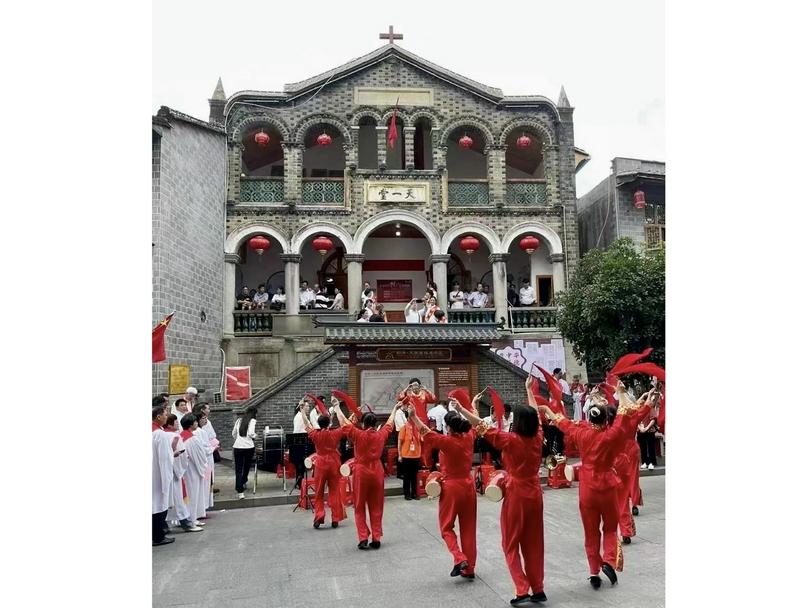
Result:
{"points": [[615, 305]]}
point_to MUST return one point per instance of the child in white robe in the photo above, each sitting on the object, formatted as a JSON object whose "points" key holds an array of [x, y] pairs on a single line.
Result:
{"points": [[196, 450], [178, 509]]}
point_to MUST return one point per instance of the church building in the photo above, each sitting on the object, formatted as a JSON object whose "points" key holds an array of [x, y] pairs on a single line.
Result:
{"points": [[389, 170]]}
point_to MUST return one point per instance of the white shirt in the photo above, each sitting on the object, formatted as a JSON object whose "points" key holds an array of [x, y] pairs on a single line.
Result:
{"points": [[338, 303], [260, 298], [298, 423], [247, 440], [437, 413], [279, 297], [412, 315], [306, 296], [527, 295], [565, 387], [478, 299], [313, 416], [457, 299], [399, 420]]}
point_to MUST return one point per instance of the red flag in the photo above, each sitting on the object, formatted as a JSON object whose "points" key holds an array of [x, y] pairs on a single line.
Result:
{"points": [[392, 128], [158, 346], [497, 406]]}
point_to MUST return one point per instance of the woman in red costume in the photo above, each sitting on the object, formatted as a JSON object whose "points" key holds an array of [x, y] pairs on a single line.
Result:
{"points": [[599, 446], [629, 492], [458, 490], [328, 468], [368, 476], [522, 509]]}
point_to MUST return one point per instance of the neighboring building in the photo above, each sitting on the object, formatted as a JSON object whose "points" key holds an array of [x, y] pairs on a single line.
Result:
{"points": [[314, 160], [607, 212]]}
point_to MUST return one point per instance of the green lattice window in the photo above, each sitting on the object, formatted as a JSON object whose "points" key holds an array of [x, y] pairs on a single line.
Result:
{"points": [[262, 191], [468, 194], [526, 193], [322, 192]]}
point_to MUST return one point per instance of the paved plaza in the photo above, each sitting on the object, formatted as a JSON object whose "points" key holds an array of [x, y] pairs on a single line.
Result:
{"points": [[272, 557]]}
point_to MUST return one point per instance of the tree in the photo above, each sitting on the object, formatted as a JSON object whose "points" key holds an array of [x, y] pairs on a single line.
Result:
{"points": [[614, 305]]}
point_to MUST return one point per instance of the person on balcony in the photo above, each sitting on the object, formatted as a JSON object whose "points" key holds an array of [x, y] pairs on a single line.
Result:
{"points": [[368, 295], [437, 317], [261, 298], [527, 297], [321, 299], [431, 306], [478, 298], [412, 312], [279, 299], [338, 303], [244, 301], [490, 303], [512, 296], [456, 297], [306, 296]]}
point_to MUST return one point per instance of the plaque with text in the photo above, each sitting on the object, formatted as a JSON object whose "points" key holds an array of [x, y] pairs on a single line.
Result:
{"points": [[416, 354], [179, 379], [450, 377], [398, 290], [397, 192]]}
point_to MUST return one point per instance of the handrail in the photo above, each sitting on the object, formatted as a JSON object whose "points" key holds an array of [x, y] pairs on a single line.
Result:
{"points": [[521, 180]]}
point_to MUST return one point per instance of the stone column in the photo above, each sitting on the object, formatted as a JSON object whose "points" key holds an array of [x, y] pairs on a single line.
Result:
{"points": [[354, 264], [291, 281], [558, 272], [496, 174], [293, 162], [498, 261], [440, 277], [229, 293], [381, 147], [408, 133], [235, 172]]}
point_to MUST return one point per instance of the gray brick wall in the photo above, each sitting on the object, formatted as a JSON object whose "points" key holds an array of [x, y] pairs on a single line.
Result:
{"points": [[596, 214], [188, 215], [509, 384]]}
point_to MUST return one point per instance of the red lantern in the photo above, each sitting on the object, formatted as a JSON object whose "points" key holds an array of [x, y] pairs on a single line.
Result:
{"points": [[638, 200], [466, 142], [529, 244], [259, 244], [322, 244], [262, 138], [469, 244], [524, 141], [324, 139]]}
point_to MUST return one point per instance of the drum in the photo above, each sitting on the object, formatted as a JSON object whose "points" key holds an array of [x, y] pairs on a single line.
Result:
{"points": [[496, 487], [433, 484], [311, 461], [569, 473], [347, 468]]}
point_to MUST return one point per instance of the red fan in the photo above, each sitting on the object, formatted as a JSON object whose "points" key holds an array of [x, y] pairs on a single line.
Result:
{"points": [[462, 396], [349, 403], [498, 406], [319, 404]]}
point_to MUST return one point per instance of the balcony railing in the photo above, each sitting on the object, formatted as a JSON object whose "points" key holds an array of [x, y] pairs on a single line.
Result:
{"points": [[262, 190], [531, 317], [323, 191], [253, 322], [526, 192], [468, 192], [654, 235], [471, 315]]}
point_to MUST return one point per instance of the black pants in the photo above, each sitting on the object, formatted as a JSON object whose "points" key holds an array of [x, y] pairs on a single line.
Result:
{"points": [[242, 459], [646, 441], [409, 468], [158, 523], [554, 437]]}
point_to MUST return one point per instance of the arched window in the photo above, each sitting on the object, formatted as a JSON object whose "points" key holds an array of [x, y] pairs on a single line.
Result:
{"points": [[467, 168], [323, 160], [265, 157], [367, 143], [395, 157], [525, 171], [423, 145]]}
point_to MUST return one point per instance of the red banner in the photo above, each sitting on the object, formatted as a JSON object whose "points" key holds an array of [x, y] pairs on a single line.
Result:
{"points": [[237, 383]]}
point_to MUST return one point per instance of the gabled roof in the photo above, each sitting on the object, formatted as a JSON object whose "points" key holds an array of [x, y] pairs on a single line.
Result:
{"points": [[353, 332], [296, 89], [165, 115]]}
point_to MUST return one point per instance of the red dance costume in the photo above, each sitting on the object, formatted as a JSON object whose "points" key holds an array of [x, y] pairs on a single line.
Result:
{"points": [[627, 466], [599, 485], [458, 494], [327, 473], [368, 478], [522, 510], [419, 401]]}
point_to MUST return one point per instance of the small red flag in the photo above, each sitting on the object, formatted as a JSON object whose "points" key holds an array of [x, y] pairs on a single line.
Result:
{"points": [[392, 128], [158, 346]]}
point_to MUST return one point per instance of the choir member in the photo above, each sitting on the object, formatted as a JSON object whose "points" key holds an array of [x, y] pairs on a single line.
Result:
{"points": [[327, 473], [195, 475], [522, 509], [457, 499], [599, 445], [162, 471], [178, 511], [368, 477]]}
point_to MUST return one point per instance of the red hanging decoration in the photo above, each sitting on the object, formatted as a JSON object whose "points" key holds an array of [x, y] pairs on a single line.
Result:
{"points": [[466, 142], [638, 200], [259, 244], [524, 141], [322, 244], [262, 138], [529, 244], [324, 139], [470, 244]]}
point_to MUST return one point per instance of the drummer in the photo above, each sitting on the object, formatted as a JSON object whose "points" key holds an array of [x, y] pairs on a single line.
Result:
{"points": [[326, 443], [457, 499]]}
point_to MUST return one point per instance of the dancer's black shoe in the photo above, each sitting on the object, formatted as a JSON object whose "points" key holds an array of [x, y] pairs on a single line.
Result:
{"points": [[635, 510], [375, 544], [520, 599], [610, 573], [626, 540], [458, 568], [596, 582], [538, 597], [363, 545]]}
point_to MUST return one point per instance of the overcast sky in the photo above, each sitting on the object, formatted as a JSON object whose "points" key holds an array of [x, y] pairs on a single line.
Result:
{"points": [[608, 54]]}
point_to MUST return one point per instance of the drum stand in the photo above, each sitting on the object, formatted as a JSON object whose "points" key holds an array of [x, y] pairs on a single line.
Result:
{"points": [[307, 499]]}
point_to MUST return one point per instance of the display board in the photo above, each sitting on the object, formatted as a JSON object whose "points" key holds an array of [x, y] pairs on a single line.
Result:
{"points": [[379, 387], [399, 290], [179, 378], [548, 353], [452, 376]]}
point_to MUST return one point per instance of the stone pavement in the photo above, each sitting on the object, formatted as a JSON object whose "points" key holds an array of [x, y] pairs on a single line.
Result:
{"points": [[272, 557]]}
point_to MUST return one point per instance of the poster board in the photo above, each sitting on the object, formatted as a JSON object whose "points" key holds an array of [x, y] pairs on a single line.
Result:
{"points": [[394, 290], [548, 353], [450, 377], [379, 387], [179, 378], [237, 383]]}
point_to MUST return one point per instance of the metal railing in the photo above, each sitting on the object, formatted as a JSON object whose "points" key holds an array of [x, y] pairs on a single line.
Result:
{"points": [[467, 192], [654, 235], [526, 192], [323, 190], [471, 315], [261, 190], [253, 322], [532, 317]]}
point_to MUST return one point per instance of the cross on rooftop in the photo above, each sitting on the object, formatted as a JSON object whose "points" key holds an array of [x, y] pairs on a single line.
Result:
{"points": [[390, 35]]}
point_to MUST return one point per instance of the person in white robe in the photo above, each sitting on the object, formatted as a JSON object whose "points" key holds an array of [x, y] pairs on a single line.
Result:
{"points": [[162, 472], [208, 429], [178, 508], [202, 421], [196, 472]]}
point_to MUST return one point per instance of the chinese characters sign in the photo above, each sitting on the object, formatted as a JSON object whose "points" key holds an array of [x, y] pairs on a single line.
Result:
{"points": [[422, 354], [399, 290], [397, 192]]}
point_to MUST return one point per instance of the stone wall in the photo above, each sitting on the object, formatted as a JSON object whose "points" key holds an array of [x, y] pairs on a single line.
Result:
{"points": [[596, 215], [188, 215]]}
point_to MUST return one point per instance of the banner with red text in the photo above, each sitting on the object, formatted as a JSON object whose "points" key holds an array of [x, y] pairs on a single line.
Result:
{"points": [[237, 383]]}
